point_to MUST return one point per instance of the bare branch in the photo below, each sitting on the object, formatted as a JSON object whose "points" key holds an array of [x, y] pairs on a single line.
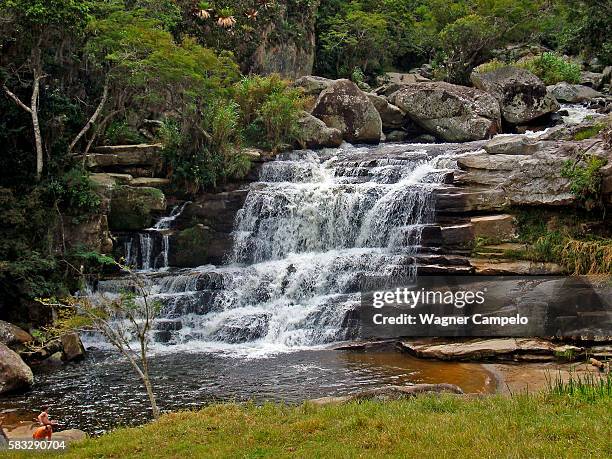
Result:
{"points": [[92, 120], [16, 99]]}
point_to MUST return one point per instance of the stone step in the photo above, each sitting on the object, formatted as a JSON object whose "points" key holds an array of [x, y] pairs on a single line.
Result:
{"points": [[113, 156], [494, 267], [154, 182]]}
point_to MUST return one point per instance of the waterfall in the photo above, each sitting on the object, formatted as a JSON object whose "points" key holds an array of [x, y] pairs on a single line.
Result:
{"points": [[148, 250], [315, 226]]}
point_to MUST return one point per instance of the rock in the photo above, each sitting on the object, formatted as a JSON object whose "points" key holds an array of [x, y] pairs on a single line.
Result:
{"points": [[450, 112], [511, 145], [153, 182], [91, 232], [391, 116], [487, 349], [123, 155], [401, 78], [191, 247], [572, 93], [390, 393], [72, 346], [14, 373], [396, 136], [24, 432], [491, 267], [607, 75], [12, 335], [451, 202], [494, 227], [592, 79], [254, 154], [131, 207], [313, 85], [345, 107], [108, 180], [521, 94], [424, 138], [315, 133]]}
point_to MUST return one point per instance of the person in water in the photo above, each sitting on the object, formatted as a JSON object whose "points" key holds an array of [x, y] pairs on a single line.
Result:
{"points": [[46, 428]]}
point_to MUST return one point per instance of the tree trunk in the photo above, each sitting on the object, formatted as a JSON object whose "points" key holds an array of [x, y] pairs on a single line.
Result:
{"points": [[36, 124], [150, 394]]}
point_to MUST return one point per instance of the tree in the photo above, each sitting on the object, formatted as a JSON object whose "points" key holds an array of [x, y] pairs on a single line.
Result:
{"points": [[36, 31], [125, 321]]}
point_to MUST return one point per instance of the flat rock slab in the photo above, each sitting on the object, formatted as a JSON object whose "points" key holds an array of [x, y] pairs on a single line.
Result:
{"points": [[26, 430], [495, 227], [518, 267], [528, 349], [390, 393], [154, 182]]}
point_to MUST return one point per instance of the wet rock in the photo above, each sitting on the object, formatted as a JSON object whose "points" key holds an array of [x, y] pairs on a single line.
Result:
{"points": [[191, 247], [72, 347], [521, 94], [494, 227], [14, 373], [168, 324], [11, 335], [487, 349], [392, 117], [246, 328], [315, 133], [131, 207], [572, 93], [345, 107], [396, 136], [390, 393], [450, 112]]}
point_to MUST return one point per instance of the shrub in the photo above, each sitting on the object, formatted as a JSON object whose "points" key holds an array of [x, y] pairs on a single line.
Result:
{"points": [[552, 68], [490, 66], [74, 192], [119, 132], [585, 179], [270, 107]]}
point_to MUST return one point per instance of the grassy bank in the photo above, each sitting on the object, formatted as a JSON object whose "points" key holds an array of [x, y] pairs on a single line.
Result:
{"points": [[521, 426]]}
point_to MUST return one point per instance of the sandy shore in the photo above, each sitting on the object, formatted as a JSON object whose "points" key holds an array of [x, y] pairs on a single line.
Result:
{"points": [[515, 378]]}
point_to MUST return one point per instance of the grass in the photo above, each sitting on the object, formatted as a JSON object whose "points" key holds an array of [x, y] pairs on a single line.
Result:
{"points": [[588, 387], [526, 426]]}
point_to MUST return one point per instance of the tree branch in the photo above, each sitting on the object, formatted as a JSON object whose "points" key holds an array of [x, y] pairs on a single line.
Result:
{"points": [[16, 99], [92, 120]]}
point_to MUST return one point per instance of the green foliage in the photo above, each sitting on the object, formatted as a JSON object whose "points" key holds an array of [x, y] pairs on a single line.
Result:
{"points": [[589, 132], [552, 69], [585, 179], [587, 387], [269, 110], [119, 132], [74, 192], [490, 66]]}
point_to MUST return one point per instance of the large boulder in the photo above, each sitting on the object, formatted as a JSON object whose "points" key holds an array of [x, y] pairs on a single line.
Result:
{"points": [[14, 373], [592, 79], [131, 207], [572, 93], [345, 107], [314, 133], [72, 347], [313, 85], [12, 335], [391, 116], [521, 94], [450, 112]]}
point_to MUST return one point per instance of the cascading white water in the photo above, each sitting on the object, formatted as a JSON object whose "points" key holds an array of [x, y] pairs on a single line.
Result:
{"points": [[150, 254], [308, 234]]}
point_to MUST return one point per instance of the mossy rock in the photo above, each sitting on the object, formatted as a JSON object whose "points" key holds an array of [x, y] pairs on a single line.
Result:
{"points": [[190, 247], [131, 207]]}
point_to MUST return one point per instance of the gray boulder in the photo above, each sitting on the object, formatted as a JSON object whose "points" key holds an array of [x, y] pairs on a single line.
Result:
{"points": [[572, 93], [315, 133], [312, 85], [521, 94], [345, 107], [450, 112], [392, 117], [592, 79], [14, 373], [12, 335]]}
